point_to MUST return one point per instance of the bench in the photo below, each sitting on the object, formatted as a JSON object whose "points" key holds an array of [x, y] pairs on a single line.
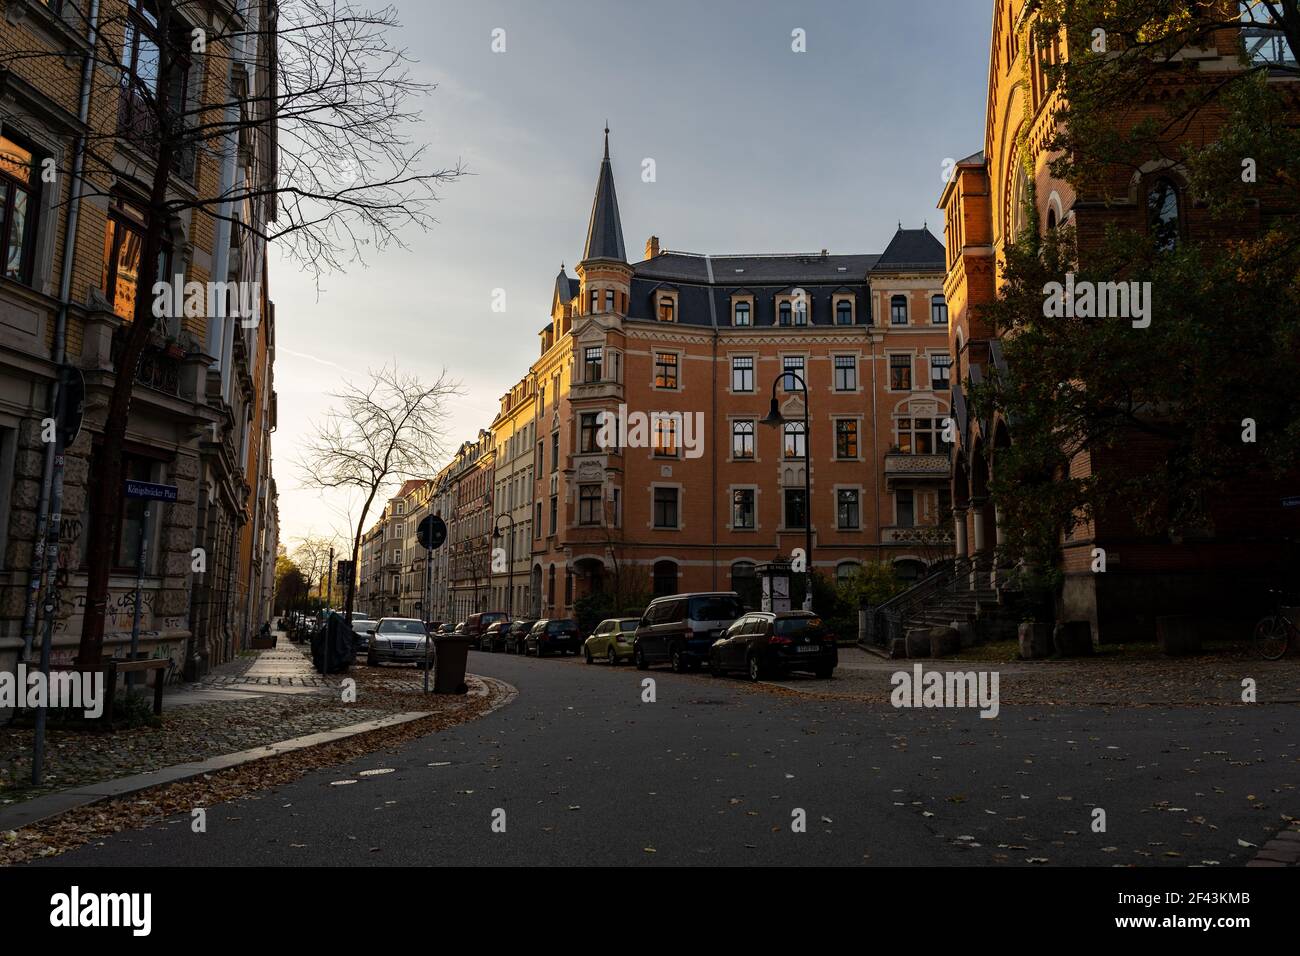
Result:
{"points": [[159, 666]]}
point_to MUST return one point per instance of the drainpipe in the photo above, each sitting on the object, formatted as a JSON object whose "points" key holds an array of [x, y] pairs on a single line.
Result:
{"points": [[713, 395], [52, 478]]}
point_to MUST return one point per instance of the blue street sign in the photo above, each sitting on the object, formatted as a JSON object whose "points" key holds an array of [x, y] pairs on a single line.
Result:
{"points": [[147, 489]]}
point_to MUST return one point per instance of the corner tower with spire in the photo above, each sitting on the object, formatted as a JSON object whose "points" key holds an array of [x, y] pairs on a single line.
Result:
{"points": [[604, 273]]}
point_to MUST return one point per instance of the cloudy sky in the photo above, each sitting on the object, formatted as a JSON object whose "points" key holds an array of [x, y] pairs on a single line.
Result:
{"points": [[756, 148]]}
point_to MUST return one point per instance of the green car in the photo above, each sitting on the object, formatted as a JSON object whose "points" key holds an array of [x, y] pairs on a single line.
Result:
{"points": [[611, 640]]}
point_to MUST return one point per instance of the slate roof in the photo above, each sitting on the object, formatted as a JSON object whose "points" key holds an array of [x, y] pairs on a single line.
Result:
{"points": [[911, 249], [605, 229]]}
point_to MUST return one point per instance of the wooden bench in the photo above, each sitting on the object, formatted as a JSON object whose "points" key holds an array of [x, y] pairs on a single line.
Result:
{"points": [[159, 666]]}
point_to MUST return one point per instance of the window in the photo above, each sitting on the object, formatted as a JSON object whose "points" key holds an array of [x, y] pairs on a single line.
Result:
{"points": [[742, 373], [555, 512], [123, 245], [589, 504], [938, 310], [846, 438], [19, 192], [783, 314], [667, 309], [845, 572], [940, 372], [665, 370], [609, 300], [900, 373], [742, 440], [795, 512], [592, 364], [665, 508], [905, 508], [921, 436], [846, 373], [796, 443], [793, 365], [537, 519], [550, 585], [595, 301], [742, 509], [665, 578], [801, 310], [847, 511], [898, 310], [665, 435], [555, 452], [1163, 214], [844, 312], [588, 433], [741, 315]]}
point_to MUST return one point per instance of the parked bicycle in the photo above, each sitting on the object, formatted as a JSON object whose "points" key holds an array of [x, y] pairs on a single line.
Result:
{"points": [[1274, 633]]}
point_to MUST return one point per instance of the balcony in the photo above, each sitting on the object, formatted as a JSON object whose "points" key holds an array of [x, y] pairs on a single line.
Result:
{"points": [[898, 465], [603, 389], [921, 536], [159, 367]]}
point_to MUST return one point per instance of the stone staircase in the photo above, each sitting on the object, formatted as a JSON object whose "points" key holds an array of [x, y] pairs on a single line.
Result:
{"points": [[946, 606], [941, 598]]}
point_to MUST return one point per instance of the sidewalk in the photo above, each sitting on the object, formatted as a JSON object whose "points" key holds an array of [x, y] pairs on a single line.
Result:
{"points": [[241, 712]]}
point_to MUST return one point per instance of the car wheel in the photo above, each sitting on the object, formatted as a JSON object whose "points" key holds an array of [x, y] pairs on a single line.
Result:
{"points": [[677, 661], [714, 669], [612, 658], [755, 668], [638, 658], [587, 653], [370, 659]]}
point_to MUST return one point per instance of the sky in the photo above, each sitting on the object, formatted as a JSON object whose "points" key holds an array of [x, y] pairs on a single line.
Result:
{"points": [[756, 149]]}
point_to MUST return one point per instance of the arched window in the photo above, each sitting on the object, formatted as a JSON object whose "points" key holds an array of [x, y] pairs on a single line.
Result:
{"points": [[742, 313], [898, 310], [844, 312], [938, 310], [665, 578], [783, 313], [550, 586], [845, 570], [1163, 214], [801, 310]]}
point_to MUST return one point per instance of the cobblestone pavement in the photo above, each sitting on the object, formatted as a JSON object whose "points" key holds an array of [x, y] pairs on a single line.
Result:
{"points": [[245, 704]]}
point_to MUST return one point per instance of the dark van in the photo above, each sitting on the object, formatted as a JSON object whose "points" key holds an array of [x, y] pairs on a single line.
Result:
{"points": [[679, 629]]}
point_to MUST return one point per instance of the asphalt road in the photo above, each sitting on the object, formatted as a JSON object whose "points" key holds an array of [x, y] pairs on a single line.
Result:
{"points": [[714, 770]]}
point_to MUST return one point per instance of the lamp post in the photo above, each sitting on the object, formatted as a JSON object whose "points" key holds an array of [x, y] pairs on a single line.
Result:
{"points": [[510, 561], [776, 419]]}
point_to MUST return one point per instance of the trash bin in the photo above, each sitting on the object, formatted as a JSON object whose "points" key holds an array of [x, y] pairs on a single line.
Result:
{"points": [[450, 653]]}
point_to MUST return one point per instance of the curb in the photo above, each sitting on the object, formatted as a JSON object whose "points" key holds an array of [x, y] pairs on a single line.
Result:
{"points": [[55, 804], [1282, 850]]}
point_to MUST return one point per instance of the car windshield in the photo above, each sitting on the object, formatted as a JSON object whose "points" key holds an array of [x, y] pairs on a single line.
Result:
{"points": [[720, 608], [786, 626], [401, 627], [556, 626]]}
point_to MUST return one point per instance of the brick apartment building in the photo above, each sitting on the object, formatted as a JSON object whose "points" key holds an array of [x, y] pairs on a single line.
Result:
{"points": [[700, 501], [985, 208], [203, 405]]}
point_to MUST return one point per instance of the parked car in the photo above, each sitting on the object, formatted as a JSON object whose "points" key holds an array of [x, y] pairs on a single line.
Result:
{"points": [[476, 624], [558, 635], [516, 633], [494, 638], [679, 629], [397, 640], [361, 624], [611, 640], [447, 628], [460, 628], [765, 644]]}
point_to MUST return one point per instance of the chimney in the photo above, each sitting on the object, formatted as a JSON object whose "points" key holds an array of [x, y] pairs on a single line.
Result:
{"points": [[652, 247]]}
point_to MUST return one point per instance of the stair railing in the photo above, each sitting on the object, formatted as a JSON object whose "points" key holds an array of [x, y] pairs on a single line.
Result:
{"points": [[887, 622]]}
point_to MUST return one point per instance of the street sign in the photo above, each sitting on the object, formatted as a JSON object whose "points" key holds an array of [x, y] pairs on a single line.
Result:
{"points": [[1291, 502], [343, 571], [72, 401], [149, 490], [431, 533]]}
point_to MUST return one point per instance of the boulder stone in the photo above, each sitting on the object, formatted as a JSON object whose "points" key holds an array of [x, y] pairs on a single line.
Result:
{"points": [[944, 641], [918, 642], [1073, 638], [1035, 640]]}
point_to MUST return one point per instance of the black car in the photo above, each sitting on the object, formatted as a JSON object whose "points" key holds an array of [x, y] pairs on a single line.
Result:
{"points": [[515, 635], [559, 635], [679, 629], [494, 637], [765, 644]]}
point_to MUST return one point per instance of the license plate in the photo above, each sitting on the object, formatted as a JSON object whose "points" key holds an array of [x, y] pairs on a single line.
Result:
{"points": [[808, 648]]}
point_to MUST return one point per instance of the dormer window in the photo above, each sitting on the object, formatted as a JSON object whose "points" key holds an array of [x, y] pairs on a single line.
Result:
{"points": [[801, 310], [742, 316], [898, 310], [844, 312], [666, 307], [783, 314]]}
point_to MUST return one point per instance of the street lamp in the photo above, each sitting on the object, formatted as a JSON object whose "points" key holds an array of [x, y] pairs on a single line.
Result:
{"points": [[775, 419], [510, 561]]}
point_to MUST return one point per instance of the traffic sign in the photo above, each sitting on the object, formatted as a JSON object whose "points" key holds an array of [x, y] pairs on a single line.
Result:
{"points": [[149, 490], [431, 533]]}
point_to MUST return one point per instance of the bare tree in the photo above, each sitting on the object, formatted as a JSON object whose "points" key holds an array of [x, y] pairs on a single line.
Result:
{"points": [[385, 431], [312, 555], [323, 114]]}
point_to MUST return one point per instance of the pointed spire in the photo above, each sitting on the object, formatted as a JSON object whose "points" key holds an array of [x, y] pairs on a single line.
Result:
{"points": [[605, 230]]}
